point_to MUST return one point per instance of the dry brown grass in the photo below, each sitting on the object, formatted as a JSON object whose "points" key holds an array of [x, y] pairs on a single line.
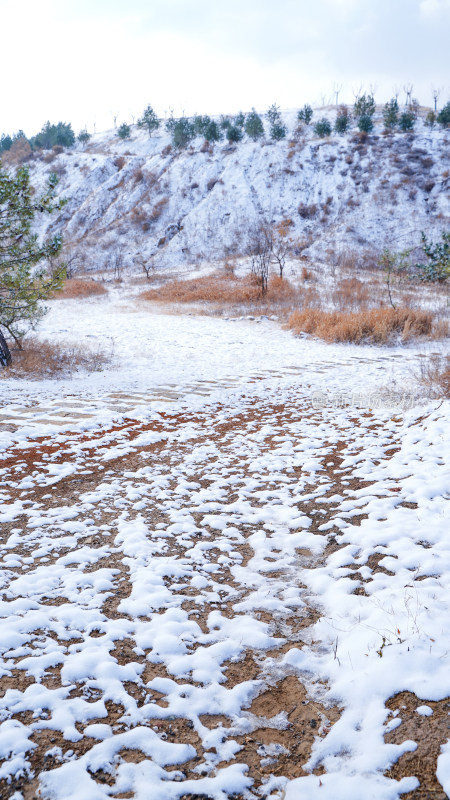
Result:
{"points": [[222, 290], [19, 152], [351, 294], [77, 288], [44, 359], [435, 374], [378, 325]]}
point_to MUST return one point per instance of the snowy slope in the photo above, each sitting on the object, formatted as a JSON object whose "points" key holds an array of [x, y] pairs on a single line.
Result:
{"points": [[199, 203]]}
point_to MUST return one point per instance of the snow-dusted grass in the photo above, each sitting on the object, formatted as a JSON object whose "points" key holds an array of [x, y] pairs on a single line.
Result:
{"points": [[223, 292], [435, 374]]}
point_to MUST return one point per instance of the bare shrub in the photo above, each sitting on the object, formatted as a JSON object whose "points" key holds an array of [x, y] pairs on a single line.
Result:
{"points": [[259, 249], [139, 215], [43, 359], [19, 152], [378, 325], [138, 175], [147, 265], [166, 150], [158, 209], [119, 162], [307, 212], [435, 374], [77, 288], [151, 178]]}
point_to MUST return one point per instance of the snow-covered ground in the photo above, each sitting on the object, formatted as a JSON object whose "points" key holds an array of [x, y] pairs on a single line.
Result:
{"points": [[162, 357], [221, 557]]}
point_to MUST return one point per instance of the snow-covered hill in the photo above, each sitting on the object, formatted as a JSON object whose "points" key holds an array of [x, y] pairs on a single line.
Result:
{"points": [[344, 195]]}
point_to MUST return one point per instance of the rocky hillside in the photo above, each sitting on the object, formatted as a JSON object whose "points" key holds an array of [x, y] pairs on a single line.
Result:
{"points": [[343, 197]]}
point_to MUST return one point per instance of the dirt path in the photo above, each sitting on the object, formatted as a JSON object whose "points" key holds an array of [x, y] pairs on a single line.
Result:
{"points": [[154, 589]]}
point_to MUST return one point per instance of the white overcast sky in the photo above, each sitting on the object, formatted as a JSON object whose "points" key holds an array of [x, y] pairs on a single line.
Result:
{"points": [[85, 61]]}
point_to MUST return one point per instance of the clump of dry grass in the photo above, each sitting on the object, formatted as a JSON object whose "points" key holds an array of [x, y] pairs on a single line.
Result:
{"points": [[223, 289], [378, 325], [435, 374], [44, 359], [216, 288], [350, 294], [76, 288]]}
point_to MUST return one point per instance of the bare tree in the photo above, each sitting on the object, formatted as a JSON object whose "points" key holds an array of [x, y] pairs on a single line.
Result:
{"points": [[436, 91], [358, 92], [146, 264], [117, 261], [407, 88], [396, 90], [115, 115], [259, 248], [281, 244], [337, 87], [72, 259]]}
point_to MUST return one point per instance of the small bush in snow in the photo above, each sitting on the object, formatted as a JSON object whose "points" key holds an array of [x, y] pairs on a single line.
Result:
{"points": [[406, 121], [430, 119], [5, 142], [234, 134], [124, 131], [444, 116], [305, 114], [149, 121], [365, 123], [183, 132], [200, 124], [390, 114], [254, 127], [212, 132], [364, 106], [277, 128], [322, 127], [83, 136], [342, 122], [278, 131]]}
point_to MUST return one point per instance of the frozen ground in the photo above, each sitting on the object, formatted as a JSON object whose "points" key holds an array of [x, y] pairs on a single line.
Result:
{"points": [[216, 580], [163, 357]]}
